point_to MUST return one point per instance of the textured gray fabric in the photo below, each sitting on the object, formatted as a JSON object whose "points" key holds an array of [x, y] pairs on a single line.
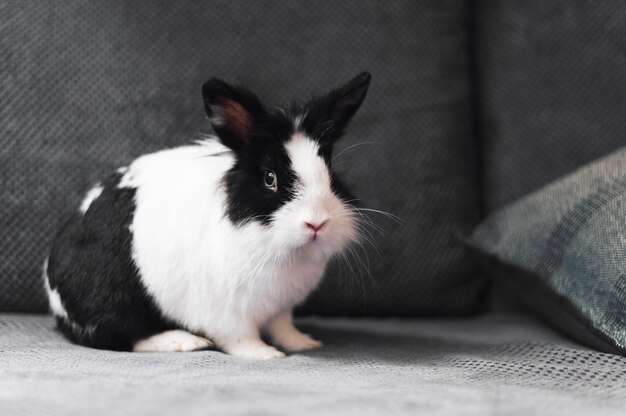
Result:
{"points": [[89, 85], [572, 236], [551, 89], [499, 364]]}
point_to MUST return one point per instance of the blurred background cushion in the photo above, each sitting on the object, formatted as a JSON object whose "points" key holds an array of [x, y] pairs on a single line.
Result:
{"points": [[551, 90], [88, 85], [561, 251]]}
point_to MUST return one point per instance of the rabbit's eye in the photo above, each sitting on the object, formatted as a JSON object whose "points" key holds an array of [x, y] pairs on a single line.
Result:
{"points": [[270, 180]]}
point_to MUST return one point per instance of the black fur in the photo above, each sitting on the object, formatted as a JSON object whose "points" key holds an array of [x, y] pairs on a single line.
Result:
{"points": [[327, 117], [220, 95], [247, 196], [91, 268]]}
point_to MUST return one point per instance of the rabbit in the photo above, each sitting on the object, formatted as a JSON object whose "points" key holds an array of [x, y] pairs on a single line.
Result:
{"points": [[211, 244]]}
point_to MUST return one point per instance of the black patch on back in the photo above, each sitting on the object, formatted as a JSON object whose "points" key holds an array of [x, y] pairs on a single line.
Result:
{"points": [[90, 266]]}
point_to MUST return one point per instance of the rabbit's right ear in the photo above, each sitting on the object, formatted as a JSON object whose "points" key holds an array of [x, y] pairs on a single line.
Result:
{"points": [[233, 112]]}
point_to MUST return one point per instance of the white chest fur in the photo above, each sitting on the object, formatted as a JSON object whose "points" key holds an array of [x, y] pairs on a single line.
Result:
{"points": [[205, 273]]}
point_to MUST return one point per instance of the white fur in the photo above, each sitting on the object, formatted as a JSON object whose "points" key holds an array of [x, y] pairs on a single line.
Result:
{"points": [[285, 335], [224, 281], [175, 340], [54, 300], [297, 121], [91, 196]]}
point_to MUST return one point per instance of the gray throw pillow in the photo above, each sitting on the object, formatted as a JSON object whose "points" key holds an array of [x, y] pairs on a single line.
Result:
{"points": [[562, 252]]}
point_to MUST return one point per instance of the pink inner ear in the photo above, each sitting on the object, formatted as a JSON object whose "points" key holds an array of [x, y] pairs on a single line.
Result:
{"points": [[236, 118]]}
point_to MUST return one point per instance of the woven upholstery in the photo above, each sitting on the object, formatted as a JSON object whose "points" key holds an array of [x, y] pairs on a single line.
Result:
{"points": [[570, 237], [499, 364], [89, 85], [551, 90]]}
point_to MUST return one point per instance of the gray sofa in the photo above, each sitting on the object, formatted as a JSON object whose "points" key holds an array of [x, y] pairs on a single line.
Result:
{"points": [[473, 105], [494, 364]]}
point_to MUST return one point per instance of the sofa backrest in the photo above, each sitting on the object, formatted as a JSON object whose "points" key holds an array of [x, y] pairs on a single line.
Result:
{"points": [[551, 90], [89, 85]]}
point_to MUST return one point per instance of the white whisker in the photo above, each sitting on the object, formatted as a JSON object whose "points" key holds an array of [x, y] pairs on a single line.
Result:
{"points": [[352, 147]]}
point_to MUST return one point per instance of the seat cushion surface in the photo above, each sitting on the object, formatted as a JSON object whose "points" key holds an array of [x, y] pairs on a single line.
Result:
{"points": [[494, 364]]}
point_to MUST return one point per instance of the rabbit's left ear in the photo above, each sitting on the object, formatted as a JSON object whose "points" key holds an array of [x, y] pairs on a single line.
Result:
{"points": [[336, 108], [348, 98], [233, 112]]}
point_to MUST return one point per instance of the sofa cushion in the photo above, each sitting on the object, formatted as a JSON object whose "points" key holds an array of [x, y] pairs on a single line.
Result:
{"points": [[561, 252], [495, 364], [87, 86], [551, 90]]}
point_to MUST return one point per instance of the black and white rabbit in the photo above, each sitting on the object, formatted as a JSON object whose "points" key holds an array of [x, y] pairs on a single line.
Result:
{"points": [[216, 241]]}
